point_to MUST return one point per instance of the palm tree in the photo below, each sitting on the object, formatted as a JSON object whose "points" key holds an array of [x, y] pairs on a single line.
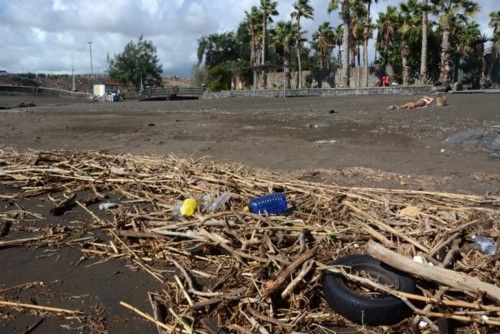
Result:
{"points": [[345, 12], [406, 21], [386, 25], [324, 39], [450, 9], [253, 23], [495, 24], [339, 33], [424, 10], [268, 10], [358, 15], [282, 40], [367, 34], [301, 9]]}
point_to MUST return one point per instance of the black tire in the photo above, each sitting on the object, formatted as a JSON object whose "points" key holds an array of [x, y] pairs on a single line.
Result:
{"points": [[385, 310]]}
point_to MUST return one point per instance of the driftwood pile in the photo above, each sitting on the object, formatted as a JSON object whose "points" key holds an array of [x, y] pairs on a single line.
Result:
{"points": [[236, 272]]}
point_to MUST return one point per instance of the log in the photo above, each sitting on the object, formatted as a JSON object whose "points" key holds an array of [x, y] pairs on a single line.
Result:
{"points": [[444, 276]]}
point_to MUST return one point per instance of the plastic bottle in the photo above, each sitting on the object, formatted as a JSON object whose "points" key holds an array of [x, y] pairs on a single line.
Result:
{"points": [[271, 204], [485, 245], [217, 203], [185, 208]]}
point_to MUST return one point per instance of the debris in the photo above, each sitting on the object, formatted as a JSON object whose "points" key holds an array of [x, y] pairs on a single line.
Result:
{"points": [[4, 228], [362, 309], [332, 111], [319, 125], [271, 204], [447, 277], [226, 261], [441, 101], [151, 124], [185, 208], [325, 142], [215, 204], [107, 206], [40, 308], [485, 245], [409, 211], [66, 205]]}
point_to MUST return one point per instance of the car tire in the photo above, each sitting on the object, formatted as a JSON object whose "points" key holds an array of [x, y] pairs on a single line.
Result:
{"points": [[385, 310]]}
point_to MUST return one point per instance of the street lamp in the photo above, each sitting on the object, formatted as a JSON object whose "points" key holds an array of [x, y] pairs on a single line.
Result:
{"points": [[91, 63]]}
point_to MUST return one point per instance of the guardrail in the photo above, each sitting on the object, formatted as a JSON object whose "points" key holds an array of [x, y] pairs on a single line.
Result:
{"points": [[43, 90]]}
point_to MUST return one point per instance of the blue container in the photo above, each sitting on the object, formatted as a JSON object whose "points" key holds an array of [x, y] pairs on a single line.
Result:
{"points": [[271, 204]]}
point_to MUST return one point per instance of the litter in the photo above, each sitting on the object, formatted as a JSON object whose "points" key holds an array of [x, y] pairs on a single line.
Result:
{"points": [[107, 206], [233, 265]]}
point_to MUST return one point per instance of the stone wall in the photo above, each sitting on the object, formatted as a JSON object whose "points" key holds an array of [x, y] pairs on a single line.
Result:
{"points": [[393, 90], [316, 79]]}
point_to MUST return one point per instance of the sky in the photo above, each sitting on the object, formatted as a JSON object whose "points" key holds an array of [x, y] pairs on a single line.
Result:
{"points": [[51, 36]]}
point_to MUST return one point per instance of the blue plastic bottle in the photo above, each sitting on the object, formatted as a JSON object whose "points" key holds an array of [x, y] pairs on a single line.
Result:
{"points": [[271, 204]]}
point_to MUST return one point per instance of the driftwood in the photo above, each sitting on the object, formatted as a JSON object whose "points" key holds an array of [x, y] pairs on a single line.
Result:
{"points": [[447, 277], [252, 273]]}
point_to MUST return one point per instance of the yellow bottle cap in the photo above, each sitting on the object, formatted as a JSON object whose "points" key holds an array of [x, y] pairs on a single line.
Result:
{"points": [[188, 207]]}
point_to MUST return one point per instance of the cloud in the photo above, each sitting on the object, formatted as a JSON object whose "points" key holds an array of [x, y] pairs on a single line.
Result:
{"points": [[48, 35]]}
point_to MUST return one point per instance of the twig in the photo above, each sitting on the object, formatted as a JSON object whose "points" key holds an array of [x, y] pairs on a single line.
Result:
{"points": [[40, 308], [147, 317]]}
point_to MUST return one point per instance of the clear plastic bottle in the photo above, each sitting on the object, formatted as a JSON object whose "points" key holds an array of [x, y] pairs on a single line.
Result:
{"points": [[271, 204], [485, 245], [217, 203]]}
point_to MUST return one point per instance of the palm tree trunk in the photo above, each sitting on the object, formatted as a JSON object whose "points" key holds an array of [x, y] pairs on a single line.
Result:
{"points": [[365, 45], [297, 47], [404, 58], [287, 71], [263, 55], [423, 54], [346, 18], [445, 69]]}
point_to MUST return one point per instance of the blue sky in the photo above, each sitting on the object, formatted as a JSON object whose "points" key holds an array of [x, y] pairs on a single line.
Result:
{"points": [[50, 35]]}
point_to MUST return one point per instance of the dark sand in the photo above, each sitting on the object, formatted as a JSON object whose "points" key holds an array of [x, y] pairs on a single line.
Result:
{"points": [[390, 149]]}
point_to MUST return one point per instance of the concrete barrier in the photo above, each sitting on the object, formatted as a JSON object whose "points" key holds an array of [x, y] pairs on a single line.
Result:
{"points": [[392, 90]]}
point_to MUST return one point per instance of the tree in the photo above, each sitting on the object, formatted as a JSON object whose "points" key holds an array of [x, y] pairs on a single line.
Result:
{"points": [[495, 50], [345, 13], [324, 39], [449, 10], [367, 34], [268, 10], [301, 9], [253, 23], [424, 73], [220, 53], [407, 22], [138, 63], [282, 39], [386, 25], [217, 49]]}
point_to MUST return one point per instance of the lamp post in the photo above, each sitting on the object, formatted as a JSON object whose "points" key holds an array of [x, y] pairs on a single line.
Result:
{"points": [[91, 62]]}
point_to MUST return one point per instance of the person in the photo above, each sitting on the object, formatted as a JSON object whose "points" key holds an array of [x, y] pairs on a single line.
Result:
{"points": [[385, 80], [423, 102]]}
